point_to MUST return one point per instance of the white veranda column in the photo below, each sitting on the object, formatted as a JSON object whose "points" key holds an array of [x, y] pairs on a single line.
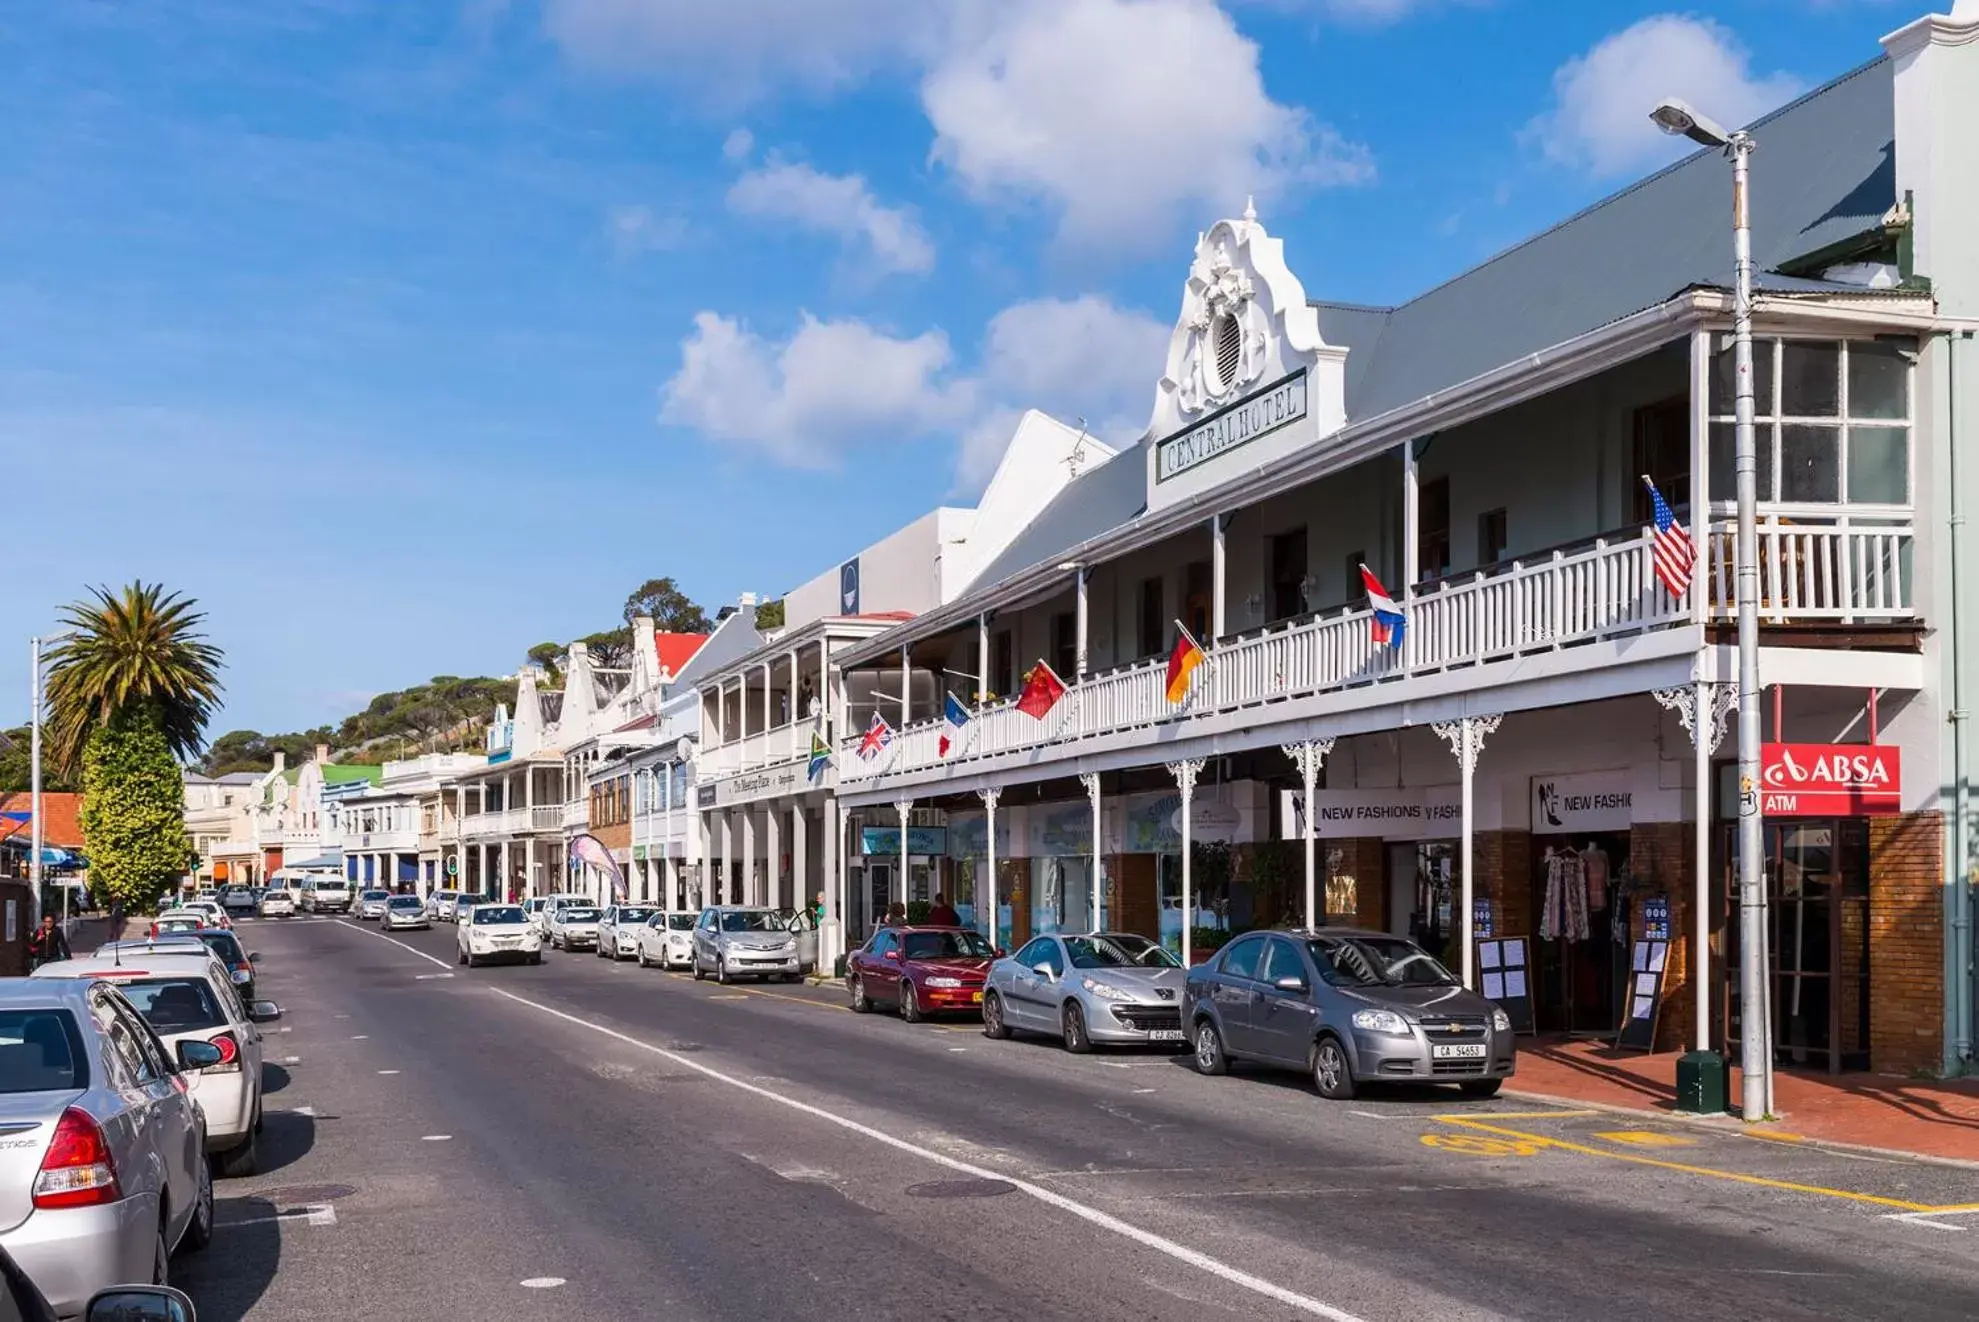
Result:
{"points": [[1466, 739], [1091, 782], [1309, 756], [1185, 773], [989, 798], [1706, 712], [831, 934], [747, 893], [903, 807], [800, 857], [772, 856]]}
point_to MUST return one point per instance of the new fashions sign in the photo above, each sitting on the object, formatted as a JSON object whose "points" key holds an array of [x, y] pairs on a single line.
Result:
{"points": [[1279, 404], [1388, 814], [1829, 780], [1568, 805]]}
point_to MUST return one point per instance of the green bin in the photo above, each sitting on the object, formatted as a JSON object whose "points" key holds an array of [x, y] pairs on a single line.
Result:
{"points": [[1701, 1083]]}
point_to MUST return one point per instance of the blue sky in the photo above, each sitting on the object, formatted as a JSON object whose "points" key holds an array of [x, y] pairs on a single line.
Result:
{"points": [[407, 335]]}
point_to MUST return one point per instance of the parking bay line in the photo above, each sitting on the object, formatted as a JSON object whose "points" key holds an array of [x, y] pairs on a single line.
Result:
{"points": [[314, 1214], [1105, 1221], [1684, 1168]]}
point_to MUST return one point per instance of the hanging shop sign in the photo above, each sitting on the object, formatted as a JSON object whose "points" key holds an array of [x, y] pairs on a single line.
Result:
{"points": [[1390, 814], [885, 840], [1830, 780], [1568, 805]]}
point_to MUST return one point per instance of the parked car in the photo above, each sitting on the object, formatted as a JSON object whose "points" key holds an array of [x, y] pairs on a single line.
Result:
{"points": [[1350, 1007], [732, 941], [546, 903], [22, 1301], [278, 902], [920, 970], [371, 905], [103, 1174], [1086, 990], [326, 895], [189, 998], [573, 926], [237, 900], [618, 929], [175, 922], [402, 912], [440, 905], [667, 940], [223, 946], [497, 931]]}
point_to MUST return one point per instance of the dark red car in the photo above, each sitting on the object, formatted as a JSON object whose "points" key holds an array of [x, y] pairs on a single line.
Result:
{"points": [[922, 970]]}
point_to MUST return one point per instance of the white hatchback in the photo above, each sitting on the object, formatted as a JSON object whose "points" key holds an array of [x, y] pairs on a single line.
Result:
{"points": [[278, 901], [191, 998], [498, 931], [668, 941]]}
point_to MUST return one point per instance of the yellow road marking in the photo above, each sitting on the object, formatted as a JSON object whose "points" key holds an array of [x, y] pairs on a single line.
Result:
{"points": [[1736, 1177], [1647, 1138], [1464, 1116], [1774, 1135], [1478, 1145]]}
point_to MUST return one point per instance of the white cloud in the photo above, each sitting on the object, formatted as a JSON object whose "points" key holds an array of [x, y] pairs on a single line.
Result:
{"points": [[639, 229], [805, 401], [1601, 100], [1077, 358], [891, 240], [1119, 113], [741, 49], [738, 144]]}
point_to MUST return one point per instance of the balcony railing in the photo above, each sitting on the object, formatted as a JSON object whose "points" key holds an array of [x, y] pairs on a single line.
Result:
{"points": [[511, 821], [1823, 569], [576, 814], [397, 838], [1568, 597]]}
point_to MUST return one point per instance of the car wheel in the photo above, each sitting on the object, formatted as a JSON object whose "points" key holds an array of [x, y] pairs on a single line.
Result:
{"points": [[1209, 1050], [910, 1003], [1481, 1088], [696, 964], [463, 956], [536, 958], [473, 960], [861, 1003], [721, 970], [993, 1025], [1330, 1072], [639, 957], [1077, 1040], [239, 1161], [199, 1231]]}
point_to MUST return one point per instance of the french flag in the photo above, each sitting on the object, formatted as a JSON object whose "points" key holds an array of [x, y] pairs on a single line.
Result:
{"points": [[1388, 620]]}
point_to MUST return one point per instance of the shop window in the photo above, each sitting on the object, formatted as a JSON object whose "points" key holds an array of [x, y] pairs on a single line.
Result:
{"points": [[1343, 890], [1288, 575], [1153, 626], [1661, 452], [1433, 528], [1831, 423], [1198, 598], [1491, 537]]}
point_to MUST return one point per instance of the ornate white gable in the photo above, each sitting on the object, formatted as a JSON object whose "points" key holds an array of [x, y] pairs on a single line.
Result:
{"points": [[1248, 377]]}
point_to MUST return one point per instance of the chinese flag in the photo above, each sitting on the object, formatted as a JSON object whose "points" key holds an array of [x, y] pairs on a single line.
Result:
{"points": [[1041, 692]]}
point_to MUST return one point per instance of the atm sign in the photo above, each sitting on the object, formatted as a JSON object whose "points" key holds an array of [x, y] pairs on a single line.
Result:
{"points": [[1829, 780]]}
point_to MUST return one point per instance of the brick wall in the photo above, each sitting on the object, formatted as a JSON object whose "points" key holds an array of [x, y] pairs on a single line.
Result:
{"points": [[1906, 942], [1661, 860]]}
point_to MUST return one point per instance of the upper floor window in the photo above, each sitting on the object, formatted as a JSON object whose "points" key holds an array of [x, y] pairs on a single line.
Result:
{"points": [[1433, 528], [1289, 581], [1831, 422]]}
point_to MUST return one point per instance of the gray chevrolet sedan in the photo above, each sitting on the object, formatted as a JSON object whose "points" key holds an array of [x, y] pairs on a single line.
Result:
{"points": [[1097, 989], [1349, 1007]]}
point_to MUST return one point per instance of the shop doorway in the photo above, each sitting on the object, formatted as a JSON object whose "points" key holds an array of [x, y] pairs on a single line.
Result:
{"points": [[1580, 917], [1401, 889]]}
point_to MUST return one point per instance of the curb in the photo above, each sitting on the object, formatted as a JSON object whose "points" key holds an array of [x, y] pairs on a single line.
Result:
{"points": [[1731, 1125]]}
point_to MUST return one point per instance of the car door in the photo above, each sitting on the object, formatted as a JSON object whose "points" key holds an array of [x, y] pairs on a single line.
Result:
{"points": [[171, 1141], [1284, 1017], [1041, 965], [1234, 991], [881, 972], [704, 939]]}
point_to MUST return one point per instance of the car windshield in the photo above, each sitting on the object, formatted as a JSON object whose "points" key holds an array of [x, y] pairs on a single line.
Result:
{"points": [[498, 913], [680, 922], [402, 902], [377, 895], [225, 946], [1105, 952], [573, 914], [40, 1051], [946, 945], [446, 895], [180, 924], [174, 1005], [751, 920], [634, 915], [1377, 961]]}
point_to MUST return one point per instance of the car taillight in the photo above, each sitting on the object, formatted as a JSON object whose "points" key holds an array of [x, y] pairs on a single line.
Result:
{"points": [[78, 1170], [230, 1055]]}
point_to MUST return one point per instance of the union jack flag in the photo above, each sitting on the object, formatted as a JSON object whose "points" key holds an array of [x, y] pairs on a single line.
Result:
{"points": [[1676, 557], [878, 735]]}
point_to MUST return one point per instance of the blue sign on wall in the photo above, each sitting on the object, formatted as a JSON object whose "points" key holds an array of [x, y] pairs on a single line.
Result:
{"points": [[848, 587], [920, 840]]}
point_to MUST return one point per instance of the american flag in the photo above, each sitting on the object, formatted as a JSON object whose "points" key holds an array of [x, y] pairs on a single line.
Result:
{"points": [[1675, 555]]}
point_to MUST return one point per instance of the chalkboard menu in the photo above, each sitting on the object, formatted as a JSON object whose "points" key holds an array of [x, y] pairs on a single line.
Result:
{"points": [[1644, 1002], [1504, 978]]}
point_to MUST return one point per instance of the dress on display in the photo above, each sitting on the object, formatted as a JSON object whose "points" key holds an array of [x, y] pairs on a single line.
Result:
{"points": [[1564, 913]]}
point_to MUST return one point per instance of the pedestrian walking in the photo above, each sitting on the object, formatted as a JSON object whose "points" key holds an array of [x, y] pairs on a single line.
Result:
{"points": [[942, 914], [46, 944], [896, 915], [819, 909]]}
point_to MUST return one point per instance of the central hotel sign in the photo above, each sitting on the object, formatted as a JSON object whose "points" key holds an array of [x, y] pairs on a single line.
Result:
{"points": [[1279, 404]]}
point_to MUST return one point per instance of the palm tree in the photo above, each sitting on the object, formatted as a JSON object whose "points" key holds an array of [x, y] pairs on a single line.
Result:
{"points": [[135, 653]]}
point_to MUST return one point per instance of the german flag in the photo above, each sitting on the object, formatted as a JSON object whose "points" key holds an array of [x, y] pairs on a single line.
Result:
{"points": [[1182, 663]]}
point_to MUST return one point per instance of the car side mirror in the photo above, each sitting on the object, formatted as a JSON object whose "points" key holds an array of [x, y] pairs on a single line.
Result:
{"points": [[254, 956], [196, 1056], [1292, 984], [893, 955], [1043, 970], [262, 1012], [999, 953], [139, 1303]]}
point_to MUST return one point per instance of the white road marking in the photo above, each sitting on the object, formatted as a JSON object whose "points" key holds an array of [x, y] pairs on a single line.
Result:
{"points": [[430, 977], [359, 1037], [542, 1283], [1925, 1219], [291, 1060], [400, 944], [1140, 1090], [958, 1048], [314, 1214], [388, 1071], [309, 1111], [434, 1138], [1105, 1221]]}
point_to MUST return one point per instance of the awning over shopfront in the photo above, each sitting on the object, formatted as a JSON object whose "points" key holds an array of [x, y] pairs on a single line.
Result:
{"points": [[330, 862]]}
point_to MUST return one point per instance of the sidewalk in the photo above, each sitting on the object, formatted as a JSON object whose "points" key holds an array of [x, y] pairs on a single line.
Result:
{"points": [[1927, 1117]]}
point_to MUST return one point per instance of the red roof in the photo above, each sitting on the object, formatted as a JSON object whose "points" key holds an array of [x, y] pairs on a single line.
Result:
{"points": [[675, 650], [641, 723], [59, 826]]}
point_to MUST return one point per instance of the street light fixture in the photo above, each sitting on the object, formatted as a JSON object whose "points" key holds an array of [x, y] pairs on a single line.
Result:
{"points": [[1755, 1036]]}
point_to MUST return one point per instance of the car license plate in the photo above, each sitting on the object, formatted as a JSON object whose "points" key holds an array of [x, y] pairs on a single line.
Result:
{"points": [[1459, 1051], [1164, 1035]]}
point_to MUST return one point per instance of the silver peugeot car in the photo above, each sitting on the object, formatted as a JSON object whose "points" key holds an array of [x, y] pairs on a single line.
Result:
{"points": [[1097, 989], [103, 1170], [732, 940]]}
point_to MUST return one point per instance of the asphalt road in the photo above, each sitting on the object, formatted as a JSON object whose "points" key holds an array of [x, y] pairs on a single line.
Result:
{"points": [[449, 1141]]}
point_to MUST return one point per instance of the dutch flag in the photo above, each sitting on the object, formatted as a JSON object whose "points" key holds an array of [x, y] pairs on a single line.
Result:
{"points": [[1387, 621]]}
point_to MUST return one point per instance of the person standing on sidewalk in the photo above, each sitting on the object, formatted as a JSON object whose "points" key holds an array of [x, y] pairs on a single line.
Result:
{"points": [[46, 944]]}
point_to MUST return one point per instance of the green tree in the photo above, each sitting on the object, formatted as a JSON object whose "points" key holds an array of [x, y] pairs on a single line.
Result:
{"points": [[550, 656], [769, 615], [17, 765], [669, 607], [133, 811], [611, 649], [136, 653]]}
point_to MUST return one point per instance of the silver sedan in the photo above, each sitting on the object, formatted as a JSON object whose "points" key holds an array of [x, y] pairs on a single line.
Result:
{"points": [[1101, 988]]}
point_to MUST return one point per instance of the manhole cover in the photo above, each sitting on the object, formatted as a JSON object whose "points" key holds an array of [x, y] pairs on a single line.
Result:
{"points": [[298, 1194], [960, 1189]]}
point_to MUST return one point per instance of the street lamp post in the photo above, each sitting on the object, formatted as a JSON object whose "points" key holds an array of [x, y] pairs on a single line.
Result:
{"points": [[1755, 1037], [36, 839]]}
